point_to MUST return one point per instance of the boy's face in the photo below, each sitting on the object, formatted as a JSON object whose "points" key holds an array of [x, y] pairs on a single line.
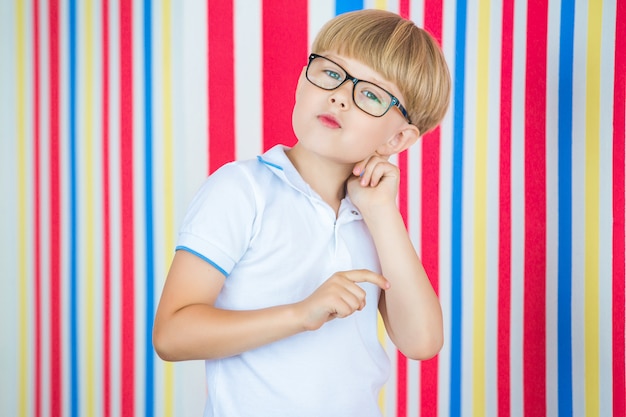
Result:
{"points": [[329, 123]]}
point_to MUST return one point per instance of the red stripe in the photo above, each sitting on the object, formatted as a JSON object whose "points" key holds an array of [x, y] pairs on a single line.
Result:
{"points": [[433, 22], [37, 206], [106, 218], [403, 204], [430, 257], [403, 196], [401, 387], [619, 208], [285, 46], [127, 215], [402, 362], [535, 211], [56, 363], [404, 9], [221, 83], [504, 250]]}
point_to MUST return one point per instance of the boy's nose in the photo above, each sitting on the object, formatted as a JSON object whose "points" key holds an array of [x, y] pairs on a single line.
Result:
{"points": [[342, 96], [338, 101]]}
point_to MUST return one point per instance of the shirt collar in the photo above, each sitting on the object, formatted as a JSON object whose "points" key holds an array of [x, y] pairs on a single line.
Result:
{"points": [[276, 160]]}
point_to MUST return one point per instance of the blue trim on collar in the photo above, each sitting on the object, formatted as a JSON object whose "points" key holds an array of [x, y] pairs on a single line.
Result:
{"points": [[260, 158]]}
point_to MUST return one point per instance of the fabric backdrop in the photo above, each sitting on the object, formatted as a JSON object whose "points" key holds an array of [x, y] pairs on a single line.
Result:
{"points": [[112, 112]]}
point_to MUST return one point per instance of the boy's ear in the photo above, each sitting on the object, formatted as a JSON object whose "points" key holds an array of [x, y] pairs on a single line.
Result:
{"points": [[400, 141]]}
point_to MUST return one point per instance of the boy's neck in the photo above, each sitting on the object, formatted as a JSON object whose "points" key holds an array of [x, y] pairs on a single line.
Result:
{"points": [[325, 177]]}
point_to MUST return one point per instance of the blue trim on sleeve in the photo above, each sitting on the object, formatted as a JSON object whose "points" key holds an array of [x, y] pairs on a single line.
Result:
{"points": [[193, 252], [260, 158]]}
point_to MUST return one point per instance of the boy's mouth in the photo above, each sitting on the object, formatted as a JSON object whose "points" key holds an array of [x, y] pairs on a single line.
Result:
{"points": [[329, 120]]}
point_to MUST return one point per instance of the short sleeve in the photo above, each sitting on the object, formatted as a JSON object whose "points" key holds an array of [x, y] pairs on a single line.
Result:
{"points": [[219, 223]]}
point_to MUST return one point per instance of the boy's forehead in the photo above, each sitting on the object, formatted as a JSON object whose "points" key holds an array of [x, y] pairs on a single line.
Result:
{"points": [[361, 70]]}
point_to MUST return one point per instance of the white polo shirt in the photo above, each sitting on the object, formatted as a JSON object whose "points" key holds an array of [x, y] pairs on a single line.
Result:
{"points": [[277, 241]]}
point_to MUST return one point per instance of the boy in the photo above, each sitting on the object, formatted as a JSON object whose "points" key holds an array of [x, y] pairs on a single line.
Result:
{"points": [[283, 262]]}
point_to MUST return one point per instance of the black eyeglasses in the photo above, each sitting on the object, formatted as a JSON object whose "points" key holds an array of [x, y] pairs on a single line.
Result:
{"points": [[372, 99]]}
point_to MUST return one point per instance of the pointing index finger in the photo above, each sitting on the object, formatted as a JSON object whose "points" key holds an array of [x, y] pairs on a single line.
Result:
{"points": [[365, 275]]}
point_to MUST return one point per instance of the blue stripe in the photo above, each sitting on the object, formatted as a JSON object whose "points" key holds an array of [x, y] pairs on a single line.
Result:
{"points": [[456, 347], [566, 57], [147, 70], [73, 215], [343, 6]]}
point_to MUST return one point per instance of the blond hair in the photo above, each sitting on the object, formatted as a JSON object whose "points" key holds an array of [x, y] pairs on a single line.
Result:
{"points": [[401, 52]]}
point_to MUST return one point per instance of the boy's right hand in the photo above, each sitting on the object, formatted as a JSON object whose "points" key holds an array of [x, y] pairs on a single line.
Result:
{"points": [[339, 296]]}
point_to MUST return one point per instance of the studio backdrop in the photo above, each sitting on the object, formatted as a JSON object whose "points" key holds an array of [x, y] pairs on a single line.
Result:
{"points": [[112, 113]]}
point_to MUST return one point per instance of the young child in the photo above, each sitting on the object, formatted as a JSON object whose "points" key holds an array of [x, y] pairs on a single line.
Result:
{"points": [[284, 261]]}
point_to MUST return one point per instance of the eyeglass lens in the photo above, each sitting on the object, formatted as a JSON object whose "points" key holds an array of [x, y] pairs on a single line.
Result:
{"points": [[368, 97]]}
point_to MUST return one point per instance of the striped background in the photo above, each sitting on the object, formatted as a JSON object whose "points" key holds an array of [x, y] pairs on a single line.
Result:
{"points": [[112, 112]]}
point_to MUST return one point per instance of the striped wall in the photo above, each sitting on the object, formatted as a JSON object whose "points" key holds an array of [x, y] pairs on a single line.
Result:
{"points": [[112, 112]]}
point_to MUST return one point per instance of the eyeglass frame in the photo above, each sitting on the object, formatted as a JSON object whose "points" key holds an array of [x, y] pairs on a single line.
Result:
{"points": [[394, 100]]}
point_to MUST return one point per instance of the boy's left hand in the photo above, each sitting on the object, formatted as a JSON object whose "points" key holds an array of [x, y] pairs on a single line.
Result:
{"points": [[375, 182]]}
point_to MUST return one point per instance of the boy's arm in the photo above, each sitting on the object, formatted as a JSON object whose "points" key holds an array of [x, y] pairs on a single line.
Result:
{"points": [[410, 308], [188, 326]]}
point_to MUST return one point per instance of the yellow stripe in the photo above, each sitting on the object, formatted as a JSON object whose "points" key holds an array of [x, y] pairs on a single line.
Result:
{"points": [[383, 341], [592, 210], [22, 210], [89, 221], [480, 207], [168, 179], [380, 4]]}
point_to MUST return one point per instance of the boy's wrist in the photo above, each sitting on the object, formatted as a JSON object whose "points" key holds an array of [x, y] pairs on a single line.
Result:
{"points": [[379, 212]]}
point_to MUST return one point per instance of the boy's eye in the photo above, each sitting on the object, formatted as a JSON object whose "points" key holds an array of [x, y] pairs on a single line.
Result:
{"points": [[334, 75], [370, 95]]}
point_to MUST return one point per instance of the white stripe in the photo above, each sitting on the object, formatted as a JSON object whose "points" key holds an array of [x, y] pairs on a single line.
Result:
{"points": [[192, 160], [81, 205], [89, 185], [163, 250], [319, 12], [578, 209], [413, 387], [9, 388], [248, 78], [416, 9], [552, 207], [190, 400], [517, 210], [469, 163], [493, 211], [445, 288], [414, 195], [369, 4], [182, 190], [605, 248], [393, 6]]}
